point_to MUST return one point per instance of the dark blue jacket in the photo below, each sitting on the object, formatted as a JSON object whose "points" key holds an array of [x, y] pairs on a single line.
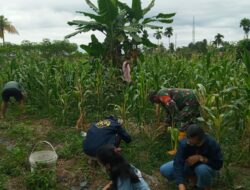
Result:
{"points": [[107, 131], [209, 149]]}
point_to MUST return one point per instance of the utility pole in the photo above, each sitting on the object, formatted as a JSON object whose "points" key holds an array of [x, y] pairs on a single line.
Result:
{"points": [[193, 33], [175, 44]]}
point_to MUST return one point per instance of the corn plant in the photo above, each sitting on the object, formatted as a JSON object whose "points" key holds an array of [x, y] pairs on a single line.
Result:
{"points": [[123, 109]]}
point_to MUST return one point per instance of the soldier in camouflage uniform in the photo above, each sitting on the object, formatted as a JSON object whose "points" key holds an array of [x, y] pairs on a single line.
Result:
{"points": [[181, 105]]}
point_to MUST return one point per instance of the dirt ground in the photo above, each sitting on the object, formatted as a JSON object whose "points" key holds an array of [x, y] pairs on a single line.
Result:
{"points": [[73, 172]]}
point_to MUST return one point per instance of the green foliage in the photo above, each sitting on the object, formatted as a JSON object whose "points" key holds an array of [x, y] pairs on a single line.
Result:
{"points": [[2, 181], [158, 35], [61, 86], [20, 133], [148, 150], [137, 9], [245, 24], [242, 45], [13, 162], [246, 60], [40, 180], [123, 27], [72, 142], [218, 39]]}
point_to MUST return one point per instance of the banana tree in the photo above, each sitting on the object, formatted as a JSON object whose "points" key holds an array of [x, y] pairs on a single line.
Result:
{"points": [[122, 26]]}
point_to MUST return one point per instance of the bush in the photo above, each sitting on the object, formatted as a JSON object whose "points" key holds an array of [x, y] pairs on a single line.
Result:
{"points": [[241, 46], [41, 180]]}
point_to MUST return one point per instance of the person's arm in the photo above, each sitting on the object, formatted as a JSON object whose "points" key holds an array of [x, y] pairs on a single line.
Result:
{"points": [[216, 159], [191, 160], [170, 105], [107, 186], [181, 187], [179, 163], [123, 134]]}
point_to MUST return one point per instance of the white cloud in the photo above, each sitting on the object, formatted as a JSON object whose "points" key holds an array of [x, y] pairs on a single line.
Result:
{"points": [[36, 20]]}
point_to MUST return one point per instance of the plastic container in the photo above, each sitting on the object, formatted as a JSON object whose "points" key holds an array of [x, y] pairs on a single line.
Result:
{"points": [[43, 159]]}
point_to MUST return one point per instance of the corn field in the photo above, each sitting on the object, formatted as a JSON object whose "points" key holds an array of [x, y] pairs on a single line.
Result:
{"points": [[64, 87]]}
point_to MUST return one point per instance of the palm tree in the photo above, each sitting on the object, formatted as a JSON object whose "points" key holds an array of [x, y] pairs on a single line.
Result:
{"points": [[5, 25], [168, 33], [218, 39], [158, 36], [245, 23]]}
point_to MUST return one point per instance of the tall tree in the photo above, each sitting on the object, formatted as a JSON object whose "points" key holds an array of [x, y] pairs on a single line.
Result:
{"points": [[158, 36], [218, 40], [6, 25], [171, 47], [168, 33], [245, 24]]}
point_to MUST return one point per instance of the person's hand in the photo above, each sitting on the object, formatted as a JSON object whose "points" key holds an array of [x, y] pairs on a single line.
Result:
{"points": [[203, 159], [191, 160], [107, 186], [171, 105], [118, 150], [182, 187], [120, 121]]}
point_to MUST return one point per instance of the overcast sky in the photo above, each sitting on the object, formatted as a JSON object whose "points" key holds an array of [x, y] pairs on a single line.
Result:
{"points": [[39, 19]]}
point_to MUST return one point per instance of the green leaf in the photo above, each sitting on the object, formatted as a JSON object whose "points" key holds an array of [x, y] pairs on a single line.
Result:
{"points": [[136, 37], [124, 6], [108, 9], [131, 29], [120, 38], [142, 58], [93, 50], [137, 10], [72, 34], [94, 39], [97, 18], [148, 20], [162, 15], [121, 18], [166, 21], [149, 7], [92, 6], [78, 22], [246, 60], [153, 26], [148, 43], [85, 26]]}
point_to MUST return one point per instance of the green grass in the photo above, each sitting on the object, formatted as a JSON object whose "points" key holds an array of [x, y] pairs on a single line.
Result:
{"points": [[147, 152], [59, 88]]}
